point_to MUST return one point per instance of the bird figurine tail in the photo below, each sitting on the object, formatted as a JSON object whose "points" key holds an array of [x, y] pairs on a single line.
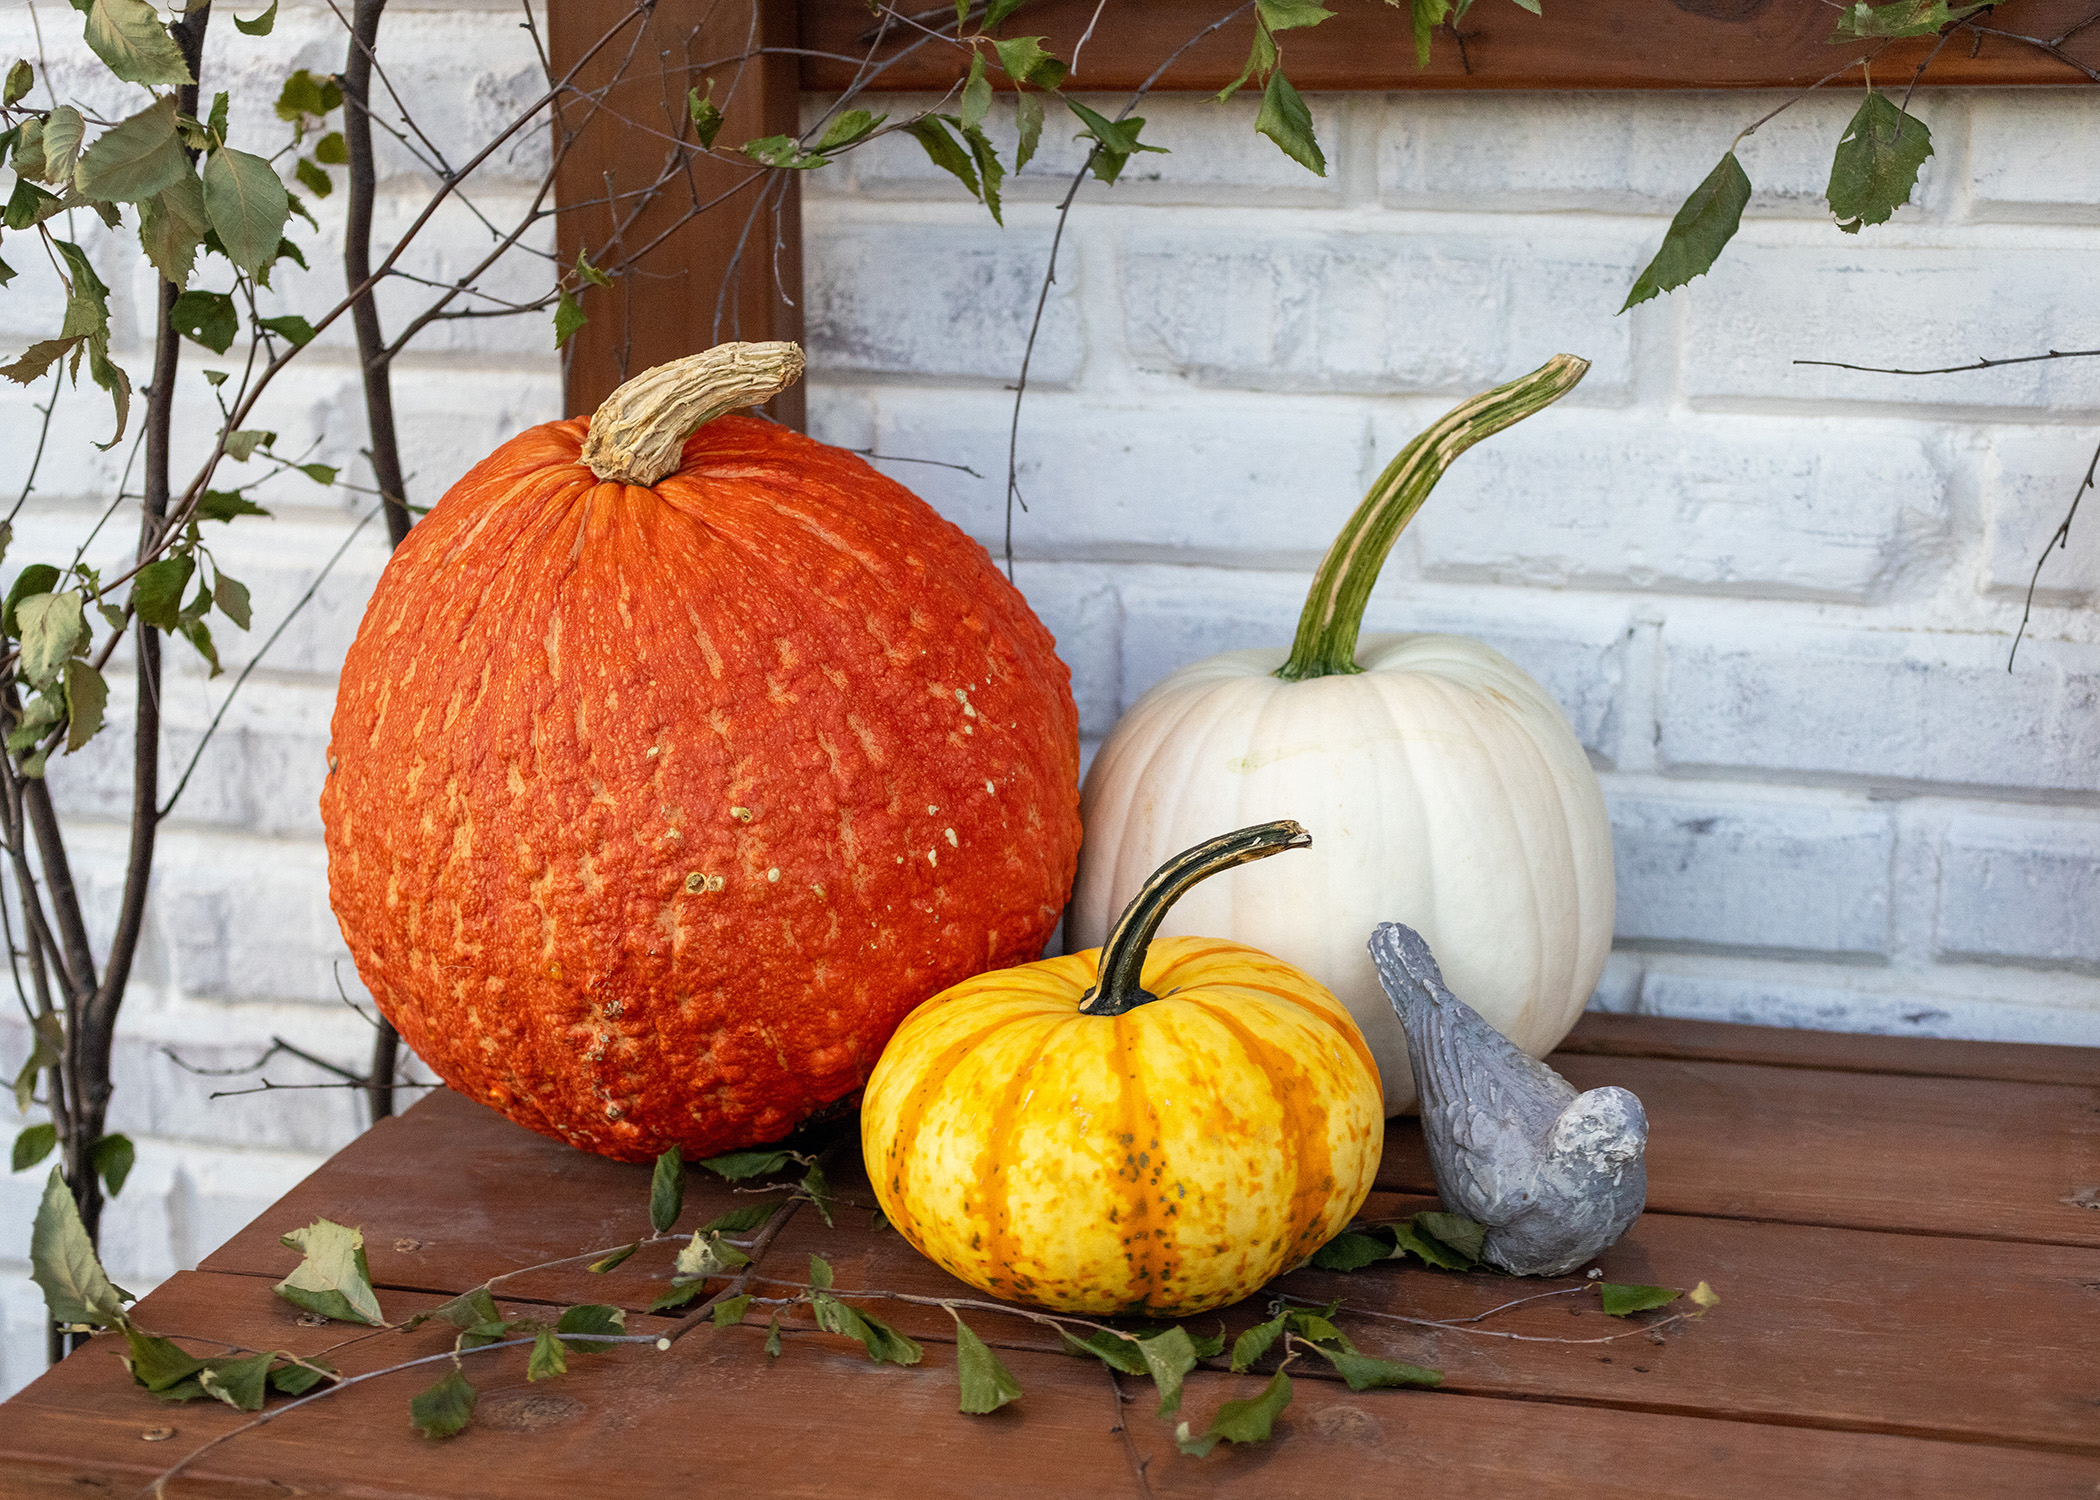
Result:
{"points": [[1555, 1175]]}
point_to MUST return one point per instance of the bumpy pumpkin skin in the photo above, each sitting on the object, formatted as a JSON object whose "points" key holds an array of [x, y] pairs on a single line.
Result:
{"points": [[652, 811], [1165, 1161]]}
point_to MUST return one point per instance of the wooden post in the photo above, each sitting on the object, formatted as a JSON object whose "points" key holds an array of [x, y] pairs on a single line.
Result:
{"points": [[628, 196]]}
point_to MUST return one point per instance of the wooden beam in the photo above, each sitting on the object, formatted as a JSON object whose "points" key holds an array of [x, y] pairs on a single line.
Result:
{"points": [[629, 184], [1575, 44]]}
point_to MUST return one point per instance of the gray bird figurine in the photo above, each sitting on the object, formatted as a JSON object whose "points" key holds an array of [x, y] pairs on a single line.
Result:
{"points": [[1555, 1175]]}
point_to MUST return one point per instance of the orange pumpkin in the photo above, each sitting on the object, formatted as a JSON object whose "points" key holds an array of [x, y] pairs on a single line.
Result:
{"points": [[671, 768]]}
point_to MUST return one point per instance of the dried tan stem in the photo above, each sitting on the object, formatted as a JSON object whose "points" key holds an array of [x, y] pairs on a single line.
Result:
{"points": [[637, 435]]}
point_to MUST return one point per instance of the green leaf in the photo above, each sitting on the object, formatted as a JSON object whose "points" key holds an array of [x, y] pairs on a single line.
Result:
{"points": [[986, 1383], [261, 25], [943, 150], [111, 378], [1287, 15], [331, 150], [782, 151], [819, 1192], [1284, 119], [298, 1379], [312, 177], [1428, 15], [292, 328], [28, 140], [1256, 1342], [128, 36], [1410, 1239], [976, 93], [568, 317], [156, 593], [1898, 18], [247, 205], [1260, 59], [851, 126], [989, 172], [773, 1339], [136, 159], [172, 227], [739, 1165], [998, 11], [241, 444], [1111, 1348], [820, 1273], [87, 698], [617, 1258], [446, 1408], [64, 130], [1623, 1301], [1454, 1232], [1877, 162], [706, 1255], [883, 1343], [1350, 1250], [731, 1311], [35, 579], [221, 107], [305, 94], [321, 474], [54, 626], [224, 505], [333, 1280], [37, 360], [737, 1220], [198, 634], [1168, 1358], [667, 1190], [1024, 60], [1028, 122], [62, 1262], [1115, 140], [231, 596], [1706, 223], [706, 117], [591, 1318], [1364, 1373], [28, 205], [34, 1144], [240, 1383], [207, 318], [21, 78], [547, 1358], [467, 1310], [43, 712], [1249, 1421], [589, 272], [677, 1295], [157, 1363]]}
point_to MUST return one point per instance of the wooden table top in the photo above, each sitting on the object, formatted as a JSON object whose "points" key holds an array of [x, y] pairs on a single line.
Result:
{"points": [[1902, 1234]]}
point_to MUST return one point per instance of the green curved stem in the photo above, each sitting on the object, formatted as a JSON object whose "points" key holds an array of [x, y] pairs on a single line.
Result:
{"points": [[1334, 610], [1123, 955]]}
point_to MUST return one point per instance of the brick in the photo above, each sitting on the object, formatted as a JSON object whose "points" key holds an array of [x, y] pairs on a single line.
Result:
{"points": [[2020, 889], [1740, 874], [1231, 477], [1291, 309], [935, 300], [1746, 505], [2030, 153], [1614, 151], [1172, 617], [2031, 478], [1887, 707], [1899, 1004], [1213, 155], [1930, 306]]}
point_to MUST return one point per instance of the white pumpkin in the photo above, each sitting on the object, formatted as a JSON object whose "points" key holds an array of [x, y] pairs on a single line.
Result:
{"points": [[1442, 787]]}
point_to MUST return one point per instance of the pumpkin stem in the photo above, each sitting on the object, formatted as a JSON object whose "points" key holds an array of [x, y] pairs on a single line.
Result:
{"points": [[638, 433], [1334, 610], [1123, 955]]}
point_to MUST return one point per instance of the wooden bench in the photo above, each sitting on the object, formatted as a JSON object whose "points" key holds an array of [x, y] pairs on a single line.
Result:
{"points": [[1903, 1233]]}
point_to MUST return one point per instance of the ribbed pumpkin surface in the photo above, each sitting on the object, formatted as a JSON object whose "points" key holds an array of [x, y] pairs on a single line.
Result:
{"points": [[1167, 1160], [651, 811]]}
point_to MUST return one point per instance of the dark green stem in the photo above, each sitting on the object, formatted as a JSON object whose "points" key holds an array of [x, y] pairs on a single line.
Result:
{"points": [[1334, 610], [1123, 955]]}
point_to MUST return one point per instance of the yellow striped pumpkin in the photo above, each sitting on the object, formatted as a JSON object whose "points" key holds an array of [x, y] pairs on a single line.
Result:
{"points": [[1154, 1128]]}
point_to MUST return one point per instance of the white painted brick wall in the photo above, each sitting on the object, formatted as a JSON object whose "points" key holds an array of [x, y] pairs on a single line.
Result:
{"points": [[1775, 602]]}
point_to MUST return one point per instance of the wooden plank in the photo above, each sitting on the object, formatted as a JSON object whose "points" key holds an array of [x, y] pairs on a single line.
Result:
{"points": [[1597, 44], [1972, 1157], [822, 1422], [693, 280], [1825, 1327], [1599, 1034]]}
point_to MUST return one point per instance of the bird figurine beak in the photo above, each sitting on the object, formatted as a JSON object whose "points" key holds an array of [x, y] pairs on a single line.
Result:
{"points": [[1556, 1176]]}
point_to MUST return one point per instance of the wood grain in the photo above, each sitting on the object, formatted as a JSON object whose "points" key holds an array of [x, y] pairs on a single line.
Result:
{"points": [[733, 272], [714, 1415], [1596, 44]]}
